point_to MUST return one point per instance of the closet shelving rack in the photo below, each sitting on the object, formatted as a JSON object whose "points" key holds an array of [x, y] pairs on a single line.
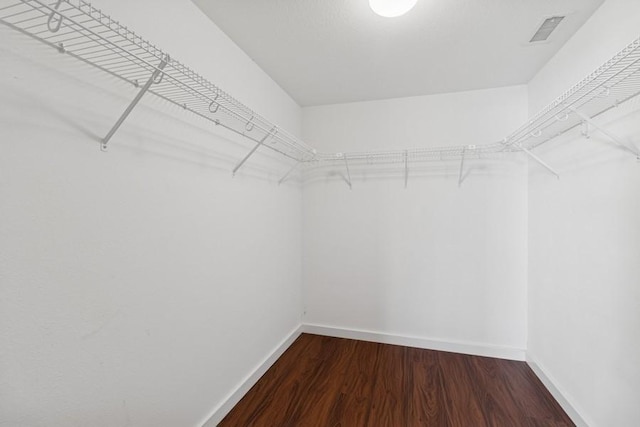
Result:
{"points": [[613, 83], [78, 29]]}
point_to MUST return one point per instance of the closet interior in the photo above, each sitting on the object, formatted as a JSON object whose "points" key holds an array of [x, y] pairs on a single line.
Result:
{"points": [[149, 213]]}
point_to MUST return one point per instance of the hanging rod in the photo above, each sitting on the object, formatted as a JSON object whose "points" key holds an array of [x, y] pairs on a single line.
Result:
{"points": [[76, 28]]}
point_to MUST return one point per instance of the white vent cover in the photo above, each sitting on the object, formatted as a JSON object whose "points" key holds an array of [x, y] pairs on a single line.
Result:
{"points": [[546, 29]]}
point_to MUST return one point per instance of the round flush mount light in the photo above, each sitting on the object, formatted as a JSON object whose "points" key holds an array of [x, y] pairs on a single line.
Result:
{"points": [[391, 8]]}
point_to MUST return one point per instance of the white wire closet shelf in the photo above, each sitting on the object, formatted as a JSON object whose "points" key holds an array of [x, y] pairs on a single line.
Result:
{"points": [[78, 29], [613, 83]]}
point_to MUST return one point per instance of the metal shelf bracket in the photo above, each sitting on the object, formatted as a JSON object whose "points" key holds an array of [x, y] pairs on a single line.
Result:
{"points": [[284, 178], [156, 77], [588, 121], [273, 131], [346, 165], [298, 163], [406, 168], [539, 160], [460, 177], [464, 152]]}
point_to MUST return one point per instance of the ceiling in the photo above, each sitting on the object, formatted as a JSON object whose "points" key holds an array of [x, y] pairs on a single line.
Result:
{"points": [[336, 51]]}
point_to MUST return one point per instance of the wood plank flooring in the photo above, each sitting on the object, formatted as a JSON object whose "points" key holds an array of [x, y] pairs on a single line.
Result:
{"points": [[324, 381]]}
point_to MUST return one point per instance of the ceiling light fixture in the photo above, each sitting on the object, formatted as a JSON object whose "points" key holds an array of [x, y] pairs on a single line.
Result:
{"points": [[391, 8]]}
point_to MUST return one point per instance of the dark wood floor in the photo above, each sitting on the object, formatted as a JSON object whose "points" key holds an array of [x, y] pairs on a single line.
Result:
{"points": [[323, 381]]}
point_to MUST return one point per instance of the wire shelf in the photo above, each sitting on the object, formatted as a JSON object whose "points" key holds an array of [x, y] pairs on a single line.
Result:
{"points": [[80, 30], [413, 155], [613, 83], [84, 32]]}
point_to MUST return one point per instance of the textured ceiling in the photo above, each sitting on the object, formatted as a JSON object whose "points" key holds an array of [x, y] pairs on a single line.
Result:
{"points": [[335, 51]]}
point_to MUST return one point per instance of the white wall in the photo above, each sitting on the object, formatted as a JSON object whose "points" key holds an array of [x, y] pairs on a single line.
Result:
{"points": [[433, 262], [139, 286], [584, 240]]}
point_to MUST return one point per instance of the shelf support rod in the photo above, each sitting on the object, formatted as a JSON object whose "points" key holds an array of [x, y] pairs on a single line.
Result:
{"points": [[539, 160], [609, 135], [283, 179], [253, 150], [298, 163], [406, 168], [464, 151], [153, 79], [346, 163]]}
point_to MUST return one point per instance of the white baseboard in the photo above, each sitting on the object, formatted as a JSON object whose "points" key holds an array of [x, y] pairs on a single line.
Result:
{"points": [[223, 409], [556, 392], [501, 352]]}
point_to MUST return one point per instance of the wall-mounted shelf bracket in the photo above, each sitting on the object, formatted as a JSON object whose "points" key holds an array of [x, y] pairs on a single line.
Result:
{"points": [[298, 163], [284, 178], [253, 150], [540, 161], [406, 168], [462, 156], [156, 77], [346, 165], [464, 151], [589, 121]]}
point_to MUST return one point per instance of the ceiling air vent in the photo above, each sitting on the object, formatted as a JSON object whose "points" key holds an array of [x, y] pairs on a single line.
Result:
{"points": [[546, 29]]}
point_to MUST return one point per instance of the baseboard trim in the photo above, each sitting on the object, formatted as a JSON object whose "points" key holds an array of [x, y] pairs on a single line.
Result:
{"points": [[232, 400], [476, 349], [556, 392], [502, 352]]}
